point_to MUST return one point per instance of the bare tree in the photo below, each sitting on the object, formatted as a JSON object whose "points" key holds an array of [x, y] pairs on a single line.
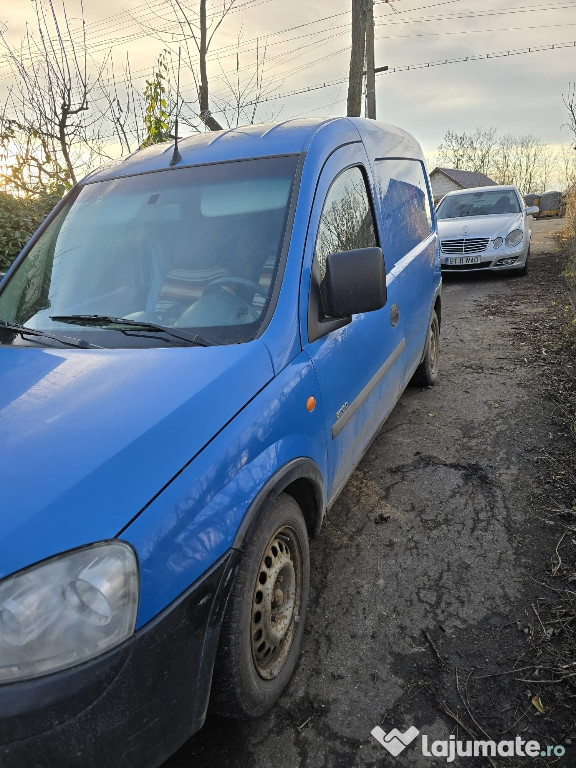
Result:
{"points": [[469, 152], [569, 100], [196, 36], [522, 160], [202, 37], [120, 106], [454, 152], [47, 113], [242, 92], [567, 160], [65, 113]]}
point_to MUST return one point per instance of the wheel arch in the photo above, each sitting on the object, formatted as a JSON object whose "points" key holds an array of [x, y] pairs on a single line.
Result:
{"points": [[302, 480]]}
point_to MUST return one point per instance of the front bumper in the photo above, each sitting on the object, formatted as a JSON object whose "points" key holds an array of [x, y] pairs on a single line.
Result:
{"points": [[489, 259], [133, 706]]}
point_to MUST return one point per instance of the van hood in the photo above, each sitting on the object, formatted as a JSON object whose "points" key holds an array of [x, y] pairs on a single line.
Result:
{"points": [[89, 437]]}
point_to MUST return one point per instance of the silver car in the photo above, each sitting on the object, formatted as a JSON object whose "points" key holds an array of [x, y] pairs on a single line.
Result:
{"points": [[484, 228]]}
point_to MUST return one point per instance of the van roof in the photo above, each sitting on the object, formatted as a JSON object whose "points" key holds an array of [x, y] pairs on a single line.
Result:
{"points": [[320, 135]]}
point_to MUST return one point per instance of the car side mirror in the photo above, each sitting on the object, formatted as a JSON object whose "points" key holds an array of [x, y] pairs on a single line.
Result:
{"points": [[532, 209], [355, 282]]}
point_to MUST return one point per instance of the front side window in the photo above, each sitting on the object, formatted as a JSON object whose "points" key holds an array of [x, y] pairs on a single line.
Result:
{"points": [[195, 249], [346, 222], [406, 212]]}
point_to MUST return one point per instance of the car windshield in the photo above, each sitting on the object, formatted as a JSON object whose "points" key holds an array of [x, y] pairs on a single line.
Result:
{"points": [[485, 203], [193, 250]]}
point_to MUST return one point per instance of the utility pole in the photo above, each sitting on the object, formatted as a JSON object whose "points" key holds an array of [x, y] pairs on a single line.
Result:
{"points": [[370, 71], [356, 76], [362, 45]]}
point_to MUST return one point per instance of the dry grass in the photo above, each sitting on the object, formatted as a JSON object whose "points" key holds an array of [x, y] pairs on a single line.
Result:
{"points": [[568, 243]]}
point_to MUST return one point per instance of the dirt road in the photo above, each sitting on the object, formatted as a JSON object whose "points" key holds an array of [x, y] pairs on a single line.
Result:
{"points": [[429, 606]]}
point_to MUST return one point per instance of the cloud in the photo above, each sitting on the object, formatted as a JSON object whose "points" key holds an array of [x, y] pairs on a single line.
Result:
{"points": [[517, 93]]}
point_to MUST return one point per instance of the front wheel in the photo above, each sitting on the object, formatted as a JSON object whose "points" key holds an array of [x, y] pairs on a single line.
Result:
{"points": [[427, 372], [525, 269], [264, 621]]}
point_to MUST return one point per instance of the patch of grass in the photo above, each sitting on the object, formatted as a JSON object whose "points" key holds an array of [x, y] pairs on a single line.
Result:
{"points": [[568, 245]]}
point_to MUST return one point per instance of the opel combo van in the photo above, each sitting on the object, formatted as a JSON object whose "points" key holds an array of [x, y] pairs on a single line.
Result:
{"points": [[196, 348]]}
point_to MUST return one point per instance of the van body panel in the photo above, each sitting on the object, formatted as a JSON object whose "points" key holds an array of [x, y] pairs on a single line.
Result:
{"points": [[103, 431], [178, 450], [195, 519], [347, 359]]}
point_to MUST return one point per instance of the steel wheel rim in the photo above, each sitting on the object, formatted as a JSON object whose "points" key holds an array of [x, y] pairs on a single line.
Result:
{"points": [[276, 603]]}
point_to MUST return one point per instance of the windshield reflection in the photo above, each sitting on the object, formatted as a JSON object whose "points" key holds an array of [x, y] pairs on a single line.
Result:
{"points": [[192, 248], [484, 203]]}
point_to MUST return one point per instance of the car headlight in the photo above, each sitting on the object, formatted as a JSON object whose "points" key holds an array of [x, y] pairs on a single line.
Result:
{"points": [[497, 242], [67, 610], [514, 237]]}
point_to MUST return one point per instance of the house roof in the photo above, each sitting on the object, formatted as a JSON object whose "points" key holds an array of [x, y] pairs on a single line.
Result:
{"points": [[466, 179]]}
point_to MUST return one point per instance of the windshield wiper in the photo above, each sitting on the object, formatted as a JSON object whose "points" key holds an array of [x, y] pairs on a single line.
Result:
{"points": [[124, 325], [69, 341]]}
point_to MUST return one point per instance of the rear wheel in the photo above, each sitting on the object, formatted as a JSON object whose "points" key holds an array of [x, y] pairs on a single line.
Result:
{"points": [[264, 622], [427, 372]]}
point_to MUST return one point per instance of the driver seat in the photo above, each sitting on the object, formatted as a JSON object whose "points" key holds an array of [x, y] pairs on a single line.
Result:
{"points": [[502, 205], [182, 287]]}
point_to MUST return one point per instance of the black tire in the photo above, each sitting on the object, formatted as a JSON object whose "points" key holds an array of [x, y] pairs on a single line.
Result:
{"points": [[427, 372], [263, 626], [525, 269]]}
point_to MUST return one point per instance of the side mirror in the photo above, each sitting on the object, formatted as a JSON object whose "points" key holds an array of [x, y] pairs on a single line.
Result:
{"points": [[532, 209], [355, 282]]}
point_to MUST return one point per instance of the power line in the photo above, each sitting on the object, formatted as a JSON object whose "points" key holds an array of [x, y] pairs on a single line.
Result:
{"points": [[474, 31], [408, 67], [222, 53], [483, 56], [476, 14], [107, 43]]}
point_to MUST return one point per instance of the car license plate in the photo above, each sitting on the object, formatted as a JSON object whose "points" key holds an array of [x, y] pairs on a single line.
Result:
{"points": [[456, 261]]}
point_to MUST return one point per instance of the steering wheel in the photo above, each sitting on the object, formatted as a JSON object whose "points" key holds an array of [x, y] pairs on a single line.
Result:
{"points": [[246, 289], [217, 306]]}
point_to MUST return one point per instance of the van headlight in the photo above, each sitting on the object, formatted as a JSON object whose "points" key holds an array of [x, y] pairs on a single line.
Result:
{"points": [[67, 610], [514, 238]]}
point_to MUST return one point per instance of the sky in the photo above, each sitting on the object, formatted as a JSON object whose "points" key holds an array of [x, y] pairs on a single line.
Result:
{"points": [[307, 46]]}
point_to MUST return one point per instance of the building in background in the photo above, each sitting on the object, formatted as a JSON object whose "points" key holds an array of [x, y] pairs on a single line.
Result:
{"points": [[445, 180]]}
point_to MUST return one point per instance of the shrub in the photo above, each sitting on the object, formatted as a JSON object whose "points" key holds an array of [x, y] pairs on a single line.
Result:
{"points": [[19, 218], [568, 244]]}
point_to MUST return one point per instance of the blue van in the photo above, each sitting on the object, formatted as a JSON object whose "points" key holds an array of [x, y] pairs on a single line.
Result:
{"points": [[196, 349]]}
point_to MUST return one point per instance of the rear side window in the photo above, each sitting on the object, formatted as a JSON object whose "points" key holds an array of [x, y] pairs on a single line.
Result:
{"points": [[347, 221], [406, 212]]}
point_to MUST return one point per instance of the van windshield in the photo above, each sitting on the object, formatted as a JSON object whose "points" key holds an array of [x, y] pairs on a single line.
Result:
{"points": [[193, 250]]}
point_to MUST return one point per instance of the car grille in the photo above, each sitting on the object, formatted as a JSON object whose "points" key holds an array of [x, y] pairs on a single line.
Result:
{"points": [[465, 245]]}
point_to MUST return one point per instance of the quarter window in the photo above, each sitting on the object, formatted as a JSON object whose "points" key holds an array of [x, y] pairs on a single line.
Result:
{"points": [[346, 222]]}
